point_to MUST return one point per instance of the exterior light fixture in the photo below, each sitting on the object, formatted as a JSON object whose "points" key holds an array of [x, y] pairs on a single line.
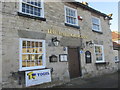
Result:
{"points": [[55, 41], [89, 43]]}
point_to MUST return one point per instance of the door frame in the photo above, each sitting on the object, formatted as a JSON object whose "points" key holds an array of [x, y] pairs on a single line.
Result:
{"points": [[79, 59]]}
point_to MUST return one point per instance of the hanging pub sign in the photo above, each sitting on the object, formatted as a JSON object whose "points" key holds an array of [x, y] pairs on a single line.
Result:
{"points": [[88, 57], [37, 77]]}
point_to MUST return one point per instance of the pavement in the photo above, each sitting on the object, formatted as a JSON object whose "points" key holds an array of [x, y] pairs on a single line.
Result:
{"points": [[103, 81]]}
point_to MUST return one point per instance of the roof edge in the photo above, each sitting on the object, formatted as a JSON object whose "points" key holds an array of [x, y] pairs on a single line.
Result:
{"points": [[91, 9]]}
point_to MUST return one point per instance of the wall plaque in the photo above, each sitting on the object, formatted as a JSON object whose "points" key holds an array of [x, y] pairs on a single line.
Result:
{"points": [[88, 56], [53, 58]]}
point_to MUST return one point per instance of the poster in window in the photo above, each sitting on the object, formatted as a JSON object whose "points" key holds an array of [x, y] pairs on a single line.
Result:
{"points": [[63, 57]]}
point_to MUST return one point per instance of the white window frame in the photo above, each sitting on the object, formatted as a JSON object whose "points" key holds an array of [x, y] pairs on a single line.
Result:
{"points": [[100, 30], [42, 6], [75, 16], [117, 58], [102, 53], [20, 55]]}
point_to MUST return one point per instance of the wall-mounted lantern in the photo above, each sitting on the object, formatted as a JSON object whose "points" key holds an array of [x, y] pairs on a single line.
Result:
{"points": [[55, 41], [89, 43]]}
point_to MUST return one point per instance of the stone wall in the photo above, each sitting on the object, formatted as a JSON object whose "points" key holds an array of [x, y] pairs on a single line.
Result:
{"points": [[0, 45], [15, 27], [104, 39]]}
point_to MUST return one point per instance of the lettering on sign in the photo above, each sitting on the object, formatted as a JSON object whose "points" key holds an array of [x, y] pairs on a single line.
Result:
{"points": [[55, 32]]}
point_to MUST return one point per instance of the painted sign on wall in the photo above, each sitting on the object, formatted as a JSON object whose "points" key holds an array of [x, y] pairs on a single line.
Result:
{"points": [[37, 77]]}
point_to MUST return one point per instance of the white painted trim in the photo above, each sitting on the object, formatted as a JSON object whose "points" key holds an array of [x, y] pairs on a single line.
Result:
{"points": [[99, 24], [75, 14], [20, 5], [102, 53], [42, 6], [20, 55]]}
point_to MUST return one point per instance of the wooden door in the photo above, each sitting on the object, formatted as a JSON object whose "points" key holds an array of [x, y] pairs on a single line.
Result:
{"points": [[74, 62]]}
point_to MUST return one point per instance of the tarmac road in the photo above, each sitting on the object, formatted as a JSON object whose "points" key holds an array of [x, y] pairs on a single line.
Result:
{"points": [[103, 81]]}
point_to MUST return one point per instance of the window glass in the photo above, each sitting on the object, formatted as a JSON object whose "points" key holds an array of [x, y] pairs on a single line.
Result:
{"points": [[99, 53], [96, 24], [32, 7], [32, 53], [71, 17]]}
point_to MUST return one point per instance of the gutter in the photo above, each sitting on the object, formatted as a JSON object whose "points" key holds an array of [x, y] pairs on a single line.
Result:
{"points": [[91, 9]]}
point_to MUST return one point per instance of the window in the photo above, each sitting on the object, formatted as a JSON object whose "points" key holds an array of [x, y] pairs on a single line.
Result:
{"points": [[96, 24], [32, 54], [99, 53], [71, 16], [116, 59], [32, 7]]}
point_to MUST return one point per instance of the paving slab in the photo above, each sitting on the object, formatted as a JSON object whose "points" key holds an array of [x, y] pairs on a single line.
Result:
{"points": [[103, 81]]}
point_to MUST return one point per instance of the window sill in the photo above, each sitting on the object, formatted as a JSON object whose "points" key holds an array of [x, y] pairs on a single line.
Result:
{"points": [[30, 16], [32, 68], [97, 31], [117, 61], [99, 63], [78, 27]]}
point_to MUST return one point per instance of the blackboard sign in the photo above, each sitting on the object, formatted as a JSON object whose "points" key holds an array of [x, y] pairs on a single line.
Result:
{"points": [[88, 57], [53, 58]]}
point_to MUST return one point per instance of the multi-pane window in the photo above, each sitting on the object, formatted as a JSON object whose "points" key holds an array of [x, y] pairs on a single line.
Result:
{"points": [[32, 7], [96, 24], [32, 54], [99, 53], [71, 16]]}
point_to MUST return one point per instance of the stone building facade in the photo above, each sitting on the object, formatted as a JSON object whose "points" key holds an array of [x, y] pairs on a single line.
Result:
{"points": [[28, 42]]}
